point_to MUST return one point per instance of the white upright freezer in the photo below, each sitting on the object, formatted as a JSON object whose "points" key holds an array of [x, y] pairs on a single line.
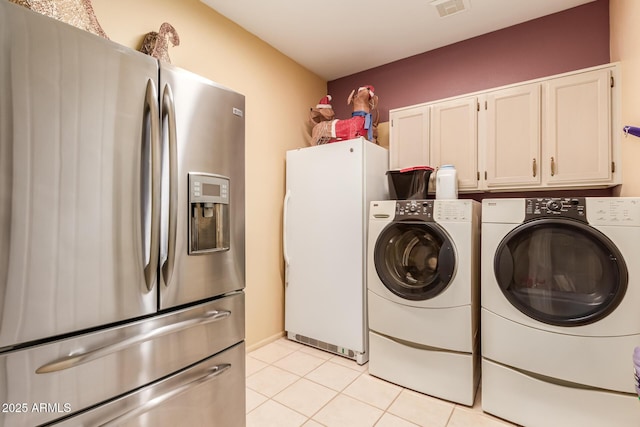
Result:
{"points": [[329, 188]]}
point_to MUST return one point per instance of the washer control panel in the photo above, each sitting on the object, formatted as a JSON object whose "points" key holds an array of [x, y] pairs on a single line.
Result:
{"points": [[414, 209], [453, 211], [552, 207]]}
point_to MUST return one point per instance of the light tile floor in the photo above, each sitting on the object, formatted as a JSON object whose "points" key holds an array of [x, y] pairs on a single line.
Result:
{"points": [[290, 384]]}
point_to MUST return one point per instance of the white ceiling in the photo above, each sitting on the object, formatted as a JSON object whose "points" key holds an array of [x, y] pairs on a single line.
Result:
{"points": [[336, 38]]}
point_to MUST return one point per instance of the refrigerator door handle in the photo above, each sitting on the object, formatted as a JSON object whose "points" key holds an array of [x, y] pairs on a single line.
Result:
{"points": [[151, 113], [169, 115], [74, 360], [155, 401], [285, 212]]}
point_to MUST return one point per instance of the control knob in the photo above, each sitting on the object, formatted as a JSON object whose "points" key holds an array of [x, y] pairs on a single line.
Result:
{"points": [[554, 205]]}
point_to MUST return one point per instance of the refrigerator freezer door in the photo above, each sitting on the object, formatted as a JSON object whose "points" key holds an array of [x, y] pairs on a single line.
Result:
{"points": [[204, 134], [74, 174], [76, 373], [211, 393]]}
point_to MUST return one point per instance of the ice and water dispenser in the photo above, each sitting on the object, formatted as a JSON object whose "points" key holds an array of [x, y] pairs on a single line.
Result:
{"points": [[209, 213]]}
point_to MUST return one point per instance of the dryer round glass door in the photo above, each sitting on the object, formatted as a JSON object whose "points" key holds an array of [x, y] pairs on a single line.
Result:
{"points": [[560, 272], [414, 260]]}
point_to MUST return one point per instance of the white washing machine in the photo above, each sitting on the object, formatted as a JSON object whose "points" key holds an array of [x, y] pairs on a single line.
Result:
{"points": [[423, 302], [560, 310]]}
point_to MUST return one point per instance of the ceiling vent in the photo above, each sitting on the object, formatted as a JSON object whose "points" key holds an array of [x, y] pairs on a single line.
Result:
{"points": [[450, 7]]}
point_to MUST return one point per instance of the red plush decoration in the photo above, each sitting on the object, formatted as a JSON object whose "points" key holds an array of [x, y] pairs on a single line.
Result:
{"points": [[363, 121]]}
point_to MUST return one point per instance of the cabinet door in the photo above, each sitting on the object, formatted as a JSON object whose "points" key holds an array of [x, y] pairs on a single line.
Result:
{"points": [[409, 138], [454, 139], [512, 155], [577, 147]]}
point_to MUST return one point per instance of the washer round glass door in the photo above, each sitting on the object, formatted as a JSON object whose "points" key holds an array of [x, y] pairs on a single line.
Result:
{"points": [[414, 260], [560, 272]]}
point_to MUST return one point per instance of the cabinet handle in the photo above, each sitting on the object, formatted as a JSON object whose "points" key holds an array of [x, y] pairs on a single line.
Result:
{"points": [[553, 166], [535, 167]]}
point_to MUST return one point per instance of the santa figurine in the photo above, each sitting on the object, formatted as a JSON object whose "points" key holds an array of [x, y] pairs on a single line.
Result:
{"points": [[322, 112]]}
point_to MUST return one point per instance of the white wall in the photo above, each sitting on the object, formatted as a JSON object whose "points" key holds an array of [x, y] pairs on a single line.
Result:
{"points": [[624, 16]]}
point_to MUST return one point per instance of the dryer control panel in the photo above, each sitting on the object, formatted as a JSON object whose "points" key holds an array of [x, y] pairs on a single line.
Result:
{"points": [[622, 211], [553, 207], [414, 209]]}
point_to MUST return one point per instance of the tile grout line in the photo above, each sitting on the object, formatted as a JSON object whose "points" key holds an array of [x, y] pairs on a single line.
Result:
{"points": [[361, 372], [338, 392], [324, 361], [308, 418], [386, 411]]}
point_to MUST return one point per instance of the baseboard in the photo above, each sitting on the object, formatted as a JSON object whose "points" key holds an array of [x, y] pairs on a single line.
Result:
{"points": [[265, 341]]}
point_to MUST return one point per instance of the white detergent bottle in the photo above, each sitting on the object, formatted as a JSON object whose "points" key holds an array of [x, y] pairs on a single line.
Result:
{"points": [[447, 182]]}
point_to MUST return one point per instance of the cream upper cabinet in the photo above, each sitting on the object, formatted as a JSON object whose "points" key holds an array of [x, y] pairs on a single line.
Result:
{"points": [[454, 136], [409, 137], [577, 146], [512, 129], [550, 133]]}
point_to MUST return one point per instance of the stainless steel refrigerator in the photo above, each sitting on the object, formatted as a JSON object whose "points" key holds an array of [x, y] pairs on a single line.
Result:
{"points": [[122, 257]]}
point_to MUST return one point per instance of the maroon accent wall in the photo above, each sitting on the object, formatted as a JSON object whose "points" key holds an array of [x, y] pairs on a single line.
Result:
{"points": [[565, 41]]}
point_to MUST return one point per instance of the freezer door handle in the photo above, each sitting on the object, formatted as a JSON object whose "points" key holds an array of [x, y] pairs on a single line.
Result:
{"points": [[169, 117], [79, 358], [151, 113], [285, 211], [156, 401]]}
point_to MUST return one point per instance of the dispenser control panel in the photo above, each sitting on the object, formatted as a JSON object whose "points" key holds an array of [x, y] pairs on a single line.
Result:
{"points": [[208, 188]]}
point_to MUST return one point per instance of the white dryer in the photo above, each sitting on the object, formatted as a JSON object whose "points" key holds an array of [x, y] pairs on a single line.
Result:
{"points": [[560, 310], [423, 302]]}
